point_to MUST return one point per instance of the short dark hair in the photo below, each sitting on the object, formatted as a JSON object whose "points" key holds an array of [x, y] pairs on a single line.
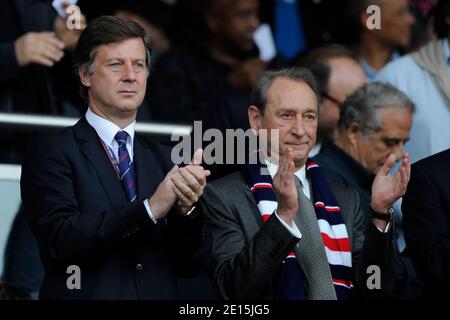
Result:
{"points": [[100, 31], [440, 13], [317, 61], [265, 81]]}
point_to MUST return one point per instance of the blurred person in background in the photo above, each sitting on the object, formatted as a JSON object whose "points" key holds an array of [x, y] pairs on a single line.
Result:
{"points": [[424, 76], [223, 59], [377, 47], [34, 41], [338, 74]]}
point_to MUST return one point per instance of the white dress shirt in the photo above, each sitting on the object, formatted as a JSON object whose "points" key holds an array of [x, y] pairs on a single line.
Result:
{"points": [[107, 130]]}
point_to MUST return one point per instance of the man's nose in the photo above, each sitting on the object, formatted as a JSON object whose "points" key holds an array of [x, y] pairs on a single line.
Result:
{"points": [[398, 151], [129, 74], [298, 127]]}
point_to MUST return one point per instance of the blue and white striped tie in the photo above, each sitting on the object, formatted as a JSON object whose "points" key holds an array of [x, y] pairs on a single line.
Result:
{"points": [[126, 168]]}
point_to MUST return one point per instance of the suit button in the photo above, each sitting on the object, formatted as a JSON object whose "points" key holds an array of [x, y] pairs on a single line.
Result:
{"points": [[139, 267]]}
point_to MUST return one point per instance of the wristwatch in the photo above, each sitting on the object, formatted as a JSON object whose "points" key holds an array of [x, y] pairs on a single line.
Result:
{"points": [[386, 217]]}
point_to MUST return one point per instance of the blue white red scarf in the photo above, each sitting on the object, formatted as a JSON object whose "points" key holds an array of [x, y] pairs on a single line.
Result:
{"points": [[331, 225]]}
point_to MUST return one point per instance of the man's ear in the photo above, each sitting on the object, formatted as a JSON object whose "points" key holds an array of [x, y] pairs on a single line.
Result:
{"points": [[354, 134], [254, 118], [85, 79]]}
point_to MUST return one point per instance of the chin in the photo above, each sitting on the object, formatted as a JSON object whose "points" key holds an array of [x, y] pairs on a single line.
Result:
{"points": [[130, 105]]}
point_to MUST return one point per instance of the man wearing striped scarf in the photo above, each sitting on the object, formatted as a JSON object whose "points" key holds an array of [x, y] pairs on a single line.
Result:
{"points": [[279, 229]]}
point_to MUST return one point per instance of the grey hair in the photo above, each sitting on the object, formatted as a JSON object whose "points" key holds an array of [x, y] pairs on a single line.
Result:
{"points": [[265, 81], [362, 106]]}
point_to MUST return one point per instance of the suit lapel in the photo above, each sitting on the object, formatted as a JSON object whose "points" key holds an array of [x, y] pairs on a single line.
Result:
{"points": [[148, 172], [92, 148], [252, 220]]}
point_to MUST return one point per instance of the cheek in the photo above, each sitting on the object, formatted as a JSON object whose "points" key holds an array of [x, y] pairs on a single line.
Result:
{"points": [[311, 129]]}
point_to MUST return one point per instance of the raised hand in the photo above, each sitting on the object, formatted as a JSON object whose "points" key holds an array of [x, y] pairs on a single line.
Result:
{"points": [[164, 198], [189, 183], [388, 189], [42, 48], [285, 189]]}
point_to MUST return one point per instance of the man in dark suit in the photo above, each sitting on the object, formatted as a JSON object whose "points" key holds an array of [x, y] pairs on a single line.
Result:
{"points": [[426, 216], [111, 223], [250, 255]]}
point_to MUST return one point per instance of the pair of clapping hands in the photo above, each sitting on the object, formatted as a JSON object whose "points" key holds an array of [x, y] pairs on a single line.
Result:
{"points": [[181, 188]]}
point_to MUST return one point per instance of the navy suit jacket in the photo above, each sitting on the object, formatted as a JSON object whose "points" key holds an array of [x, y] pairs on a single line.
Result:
{"points": [[426, 221], [77, 210]]}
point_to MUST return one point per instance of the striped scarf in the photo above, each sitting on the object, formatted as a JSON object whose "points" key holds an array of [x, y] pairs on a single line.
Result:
{"points": [[291, 284]]}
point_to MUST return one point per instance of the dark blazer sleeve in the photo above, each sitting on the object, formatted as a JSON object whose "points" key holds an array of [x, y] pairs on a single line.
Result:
{"points": [[426, 224], [241, 268], [8, 63], [371, 247]]}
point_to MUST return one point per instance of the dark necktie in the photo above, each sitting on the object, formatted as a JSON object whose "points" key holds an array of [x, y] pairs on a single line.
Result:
{"points": [[126, 169]]}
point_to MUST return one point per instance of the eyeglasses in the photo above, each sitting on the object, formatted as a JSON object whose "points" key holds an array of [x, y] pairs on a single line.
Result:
{"points": [[332, 99]]}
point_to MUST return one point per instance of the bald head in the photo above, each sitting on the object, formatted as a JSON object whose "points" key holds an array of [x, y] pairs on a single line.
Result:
{"points": [[345, 77]]}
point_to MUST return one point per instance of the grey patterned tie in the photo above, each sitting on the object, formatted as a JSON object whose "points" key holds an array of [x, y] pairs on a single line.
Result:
{"points": [[311, 252]]}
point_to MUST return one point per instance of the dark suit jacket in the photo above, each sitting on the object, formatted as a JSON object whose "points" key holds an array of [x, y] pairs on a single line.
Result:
{"points": [[248, 253], [426, 221], [24, 89], [338, 166], [77, 210]]}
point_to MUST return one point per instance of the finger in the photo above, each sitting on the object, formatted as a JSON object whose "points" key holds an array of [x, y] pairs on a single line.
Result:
{"points": [[387, 166], [283, 163], [172, 171], [290, 161], [197, 158], [190, 180], [52, 53], [179, 182], [198, 172], [404, 176], [51, 40], [42, 60], [407, 165], [183, 201]]}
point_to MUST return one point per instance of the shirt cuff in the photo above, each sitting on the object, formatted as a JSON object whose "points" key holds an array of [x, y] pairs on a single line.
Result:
{"points": [[292, 229], [149, 211], [190, 211], [386, 229]]}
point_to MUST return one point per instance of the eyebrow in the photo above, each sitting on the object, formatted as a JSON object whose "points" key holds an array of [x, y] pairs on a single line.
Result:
{"points": [[120, 59], [294, 110]]}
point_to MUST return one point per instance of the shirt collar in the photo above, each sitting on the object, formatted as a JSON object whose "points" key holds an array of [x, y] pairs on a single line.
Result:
{"points": [[106, 129], [371, 72], [300, 173]]}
